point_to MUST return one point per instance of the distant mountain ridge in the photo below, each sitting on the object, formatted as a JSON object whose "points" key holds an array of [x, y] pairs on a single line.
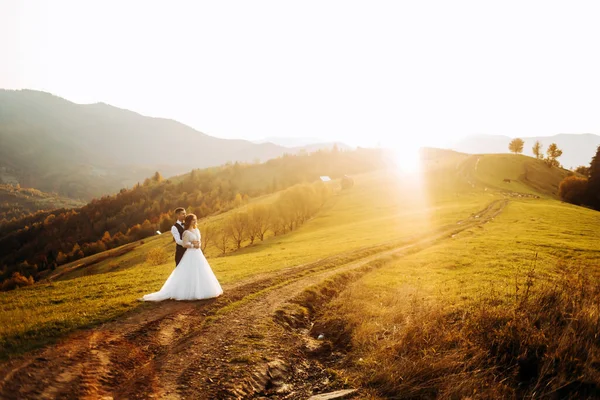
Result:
{"points": [[290, 141], [88, 150], [578, 149], [295, 142]]}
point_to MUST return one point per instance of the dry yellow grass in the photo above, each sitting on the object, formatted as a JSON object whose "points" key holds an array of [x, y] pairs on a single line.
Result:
{"points": [[481, 315]]}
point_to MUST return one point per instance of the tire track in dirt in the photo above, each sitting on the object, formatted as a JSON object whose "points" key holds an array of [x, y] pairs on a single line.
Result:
{"points": [[220, 378], [63, 370], [172, 350]]}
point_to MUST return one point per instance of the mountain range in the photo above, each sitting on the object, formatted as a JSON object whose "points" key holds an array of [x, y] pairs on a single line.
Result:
{"points": [[578, 149], [89, 150], [81, 151], [307, 142]]}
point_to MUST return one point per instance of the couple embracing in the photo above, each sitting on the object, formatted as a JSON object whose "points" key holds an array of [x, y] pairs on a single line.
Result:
{"points": [[192, 279]]}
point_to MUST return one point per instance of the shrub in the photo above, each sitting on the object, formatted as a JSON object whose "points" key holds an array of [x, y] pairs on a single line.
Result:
{"points": [[347, 182], [17, 280], [573, 190], [157, 256]]}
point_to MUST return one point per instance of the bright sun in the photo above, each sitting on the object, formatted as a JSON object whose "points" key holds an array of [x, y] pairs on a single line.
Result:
{"points": [[407, 159]]}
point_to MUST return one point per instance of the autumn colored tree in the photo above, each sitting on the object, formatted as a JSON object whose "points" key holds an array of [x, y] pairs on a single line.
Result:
{"points": [[238, 201], [17, 280], [583, 170], [516, 145], [106, 237], [61, 258], [553, 152], [134, 232], [157, 177], [147, 229], [166, 222], [573, 190], [593, 188], [537, 150]]}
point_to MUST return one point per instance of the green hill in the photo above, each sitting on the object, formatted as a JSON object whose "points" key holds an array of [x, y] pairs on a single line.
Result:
{"points": [[427, 274], [36, 244], [577, 149], [513, 173], [382, 209]]}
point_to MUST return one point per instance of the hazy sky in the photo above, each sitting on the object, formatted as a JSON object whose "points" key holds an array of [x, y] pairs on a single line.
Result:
{"points": [[355, 71]]}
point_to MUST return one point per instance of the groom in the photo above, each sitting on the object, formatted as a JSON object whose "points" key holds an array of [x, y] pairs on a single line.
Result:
{"points": [[177, 232]]}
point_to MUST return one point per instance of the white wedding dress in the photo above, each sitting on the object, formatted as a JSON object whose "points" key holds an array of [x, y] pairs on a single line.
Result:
{"points": [[192, 279]]}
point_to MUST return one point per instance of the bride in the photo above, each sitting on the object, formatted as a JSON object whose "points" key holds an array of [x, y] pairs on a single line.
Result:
{"points": [[193, 278]]}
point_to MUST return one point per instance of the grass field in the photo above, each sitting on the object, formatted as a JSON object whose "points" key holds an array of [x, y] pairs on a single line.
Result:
{"points": [[493, 255], [382, 208], [413, 326]]}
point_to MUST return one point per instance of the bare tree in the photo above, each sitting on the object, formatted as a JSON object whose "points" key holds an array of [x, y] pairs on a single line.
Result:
{"points": [[323, 192], [259, 221], [537, 150], [251, 233], [277, 222], [288, 214], [221, 240], [237, 226], [207, 235]]}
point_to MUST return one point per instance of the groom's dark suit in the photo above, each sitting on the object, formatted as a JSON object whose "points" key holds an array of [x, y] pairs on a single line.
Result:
{"points": [[179, 250]]}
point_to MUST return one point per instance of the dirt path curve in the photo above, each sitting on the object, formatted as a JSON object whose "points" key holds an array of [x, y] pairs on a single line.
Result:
{"points": [[225, 348]]}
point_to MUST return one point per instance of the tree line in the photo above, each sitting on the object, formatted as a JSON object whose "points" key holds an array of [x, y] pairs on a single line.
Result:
{"points": [[552, 152], [293, 207], [41, 241], [583, 190], [17, 202]]}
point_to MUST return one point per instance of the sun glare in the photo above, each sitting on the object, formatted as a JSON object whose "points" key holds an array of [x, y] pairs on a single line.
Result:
{"points": [[407, 159], [411, 185]]}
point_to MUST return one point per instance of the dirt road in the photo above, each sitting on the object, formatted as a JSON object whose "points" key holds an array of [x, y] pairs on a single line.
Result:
{"points": [[226, 348]]}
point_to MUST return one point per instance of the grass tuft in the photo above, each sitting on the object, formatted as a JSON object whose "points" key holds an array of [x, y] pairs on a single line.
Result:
{"points": [[541, 344]]}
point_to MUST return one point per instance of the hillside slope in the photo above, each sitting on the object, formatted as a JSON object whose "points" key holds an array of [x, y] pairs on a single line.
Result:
{"points": [[513, 173], [16, 202], [409, 240], [84, 151], [578, 149], [37, 243], [463, 173]]}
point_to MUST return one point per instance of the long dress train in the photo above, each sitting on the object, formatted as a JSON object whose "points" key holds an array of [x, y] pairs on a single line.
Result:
{"points": [[192, 279]]}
